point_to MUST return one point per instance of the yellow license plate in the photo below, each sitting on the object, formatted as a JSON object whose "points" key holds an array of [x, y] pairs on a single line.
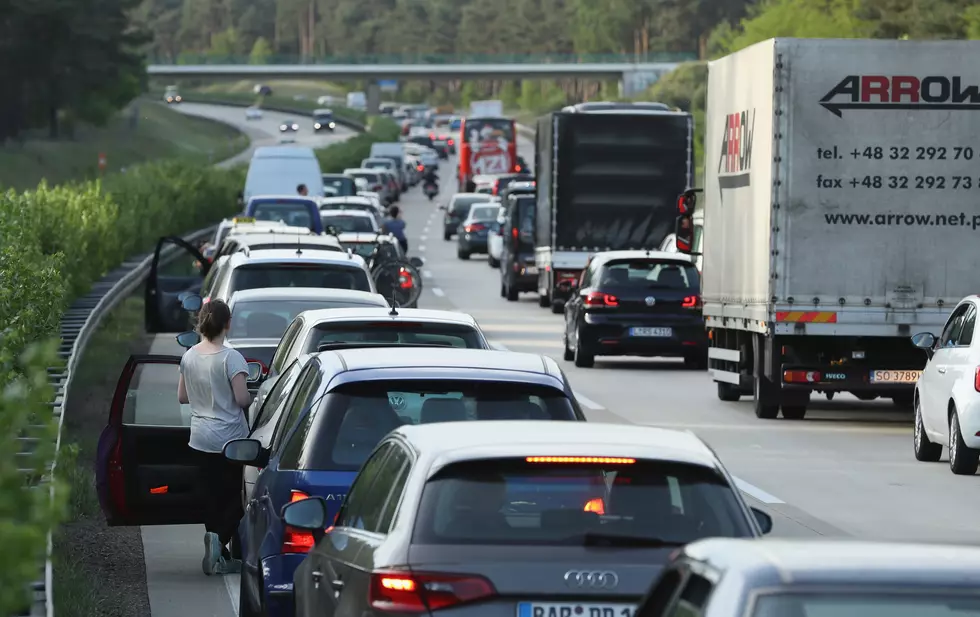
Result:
{"points": [[887, 376], [243, 219]]}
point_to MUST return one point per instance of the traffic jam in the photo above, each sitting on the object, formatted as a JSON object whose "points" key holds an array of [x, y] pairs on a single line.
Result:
{"points": [[397, 461]]}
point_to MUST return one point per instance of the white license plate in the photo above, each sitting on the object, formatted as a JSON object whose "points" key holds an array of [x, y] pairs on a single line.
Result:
{"points": [[572, 609], [886, 376], [653, 332], [531, 270]]}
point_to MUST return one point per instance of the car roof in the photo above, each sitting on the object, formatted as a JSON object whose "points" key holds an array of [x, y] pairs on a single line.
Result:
{"points": [[284, 239], [348, 199], [307, 293], [446, 443], [267, 256], [368, 358], [640, 254], [773, 561], [410, 315], [285, 198], [357, 237], [335, 176], [468, 195], [356, 213], [266, 227]]}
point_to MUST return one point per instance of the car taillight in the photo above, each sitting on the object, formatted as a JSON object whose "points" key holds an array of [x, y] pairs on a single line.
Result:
{"points": [[450, 142], [691, 302], [420, 592], [597, 505], [976, 380], [598, 298], [420, 167], [474, 227], [297, 540]]}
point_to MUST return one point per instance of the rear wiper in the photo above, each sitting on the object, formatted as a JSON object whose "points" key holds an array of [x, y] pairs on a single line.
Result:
{"points": [[606, 539]]}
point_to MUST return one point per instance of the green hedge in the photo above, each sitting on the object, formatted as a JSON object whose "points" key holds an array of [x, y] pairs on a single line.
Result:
{"points": [[55, 242], [343, 155]]}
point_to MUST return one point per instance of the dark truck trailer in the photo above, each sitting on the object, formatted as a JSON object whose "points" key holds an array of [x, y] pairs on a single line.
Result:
{"points": [[608, 179]]}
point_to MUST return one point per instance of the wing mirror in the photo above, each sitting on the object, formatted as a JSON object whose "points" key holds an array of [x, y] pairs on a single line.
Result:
{"points": [[309, 514], [255, 371], [925, 341], [191, 302], [417, 262], [442, 207], [764, 520], [188, 339], [247, 452]]}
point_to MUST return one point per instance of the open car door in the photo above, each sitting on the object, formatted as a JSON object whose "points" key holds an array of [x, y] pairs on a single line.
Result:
{"points": [[146, 474], [173, 272]]}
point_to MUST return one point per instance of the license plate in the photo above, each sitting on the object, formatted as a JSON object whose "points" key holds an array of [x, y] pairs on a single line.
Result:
{"points": [[653, 332], [572, 609], [886, 376], [531, 270]]}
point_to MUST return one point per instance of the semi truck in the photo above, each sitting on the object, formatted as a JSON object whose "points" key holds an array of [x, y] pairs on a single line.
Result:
{"points": [[840, 214], [608, 176]]}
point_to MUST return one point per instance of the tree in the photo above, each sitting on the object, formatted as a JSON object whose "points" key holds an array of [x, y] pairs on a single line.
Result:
{"points": [[261, 52]]}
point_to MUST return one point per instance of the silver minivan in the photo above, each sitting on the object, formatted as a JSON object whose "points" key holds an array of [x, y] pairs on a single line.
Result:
{"points": [[278, 170]]}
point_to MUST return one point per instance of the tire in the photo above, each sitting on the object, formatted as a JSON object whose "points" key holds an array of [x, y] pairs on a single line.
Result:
{"points": [[447, 236], [544, 301], [557, 308], [462, 255], [728, 392], [493, 263], [696, 363], [511, 293], [766, 410], [582, 359], [503, 290], [963, 461], [903, 401], [244, 608], [794, 412], [925, 450], [568, 355]]}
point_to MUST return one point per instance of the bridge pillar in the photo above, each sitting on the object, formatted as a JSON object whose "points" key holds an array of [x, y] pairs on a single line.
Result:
{"points": [[373, 98]]}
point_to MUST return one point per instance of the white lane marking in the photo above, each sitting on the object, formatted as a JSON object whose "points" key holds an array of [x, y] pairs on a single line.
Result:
{"points": [[422, 248], [588, 402], [438, 292], [756, 492], [426, 274], [424, 238], [499, 346], [233, 589]]}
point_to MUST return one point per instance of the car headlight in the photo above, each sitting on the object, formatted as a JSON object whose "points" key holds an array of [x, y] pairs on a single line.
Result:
{"points": [[332, 125], [282, 127], [178, 99], [317, 125], [295, 127]]}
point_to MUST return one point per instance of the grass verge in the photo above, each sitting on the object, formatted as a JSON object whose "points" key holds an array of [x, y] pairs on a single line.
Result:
{"points": [[158, 133], [273, 103], [98, 570]]}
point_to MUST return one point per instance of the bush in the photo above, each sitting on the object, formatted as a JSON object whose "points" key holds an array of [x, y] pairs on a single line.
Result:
{"points": [[337, 157], [55, 242]]}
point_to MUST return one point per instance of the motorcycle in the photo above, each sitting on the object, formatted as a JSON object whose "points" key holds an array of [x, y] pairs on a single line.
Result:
{"points": [[431, 190]]}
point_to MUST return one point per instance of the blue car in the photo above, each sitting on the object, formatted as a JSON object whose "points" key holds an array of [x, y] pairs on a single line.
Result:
{"points": [[340, 407]]}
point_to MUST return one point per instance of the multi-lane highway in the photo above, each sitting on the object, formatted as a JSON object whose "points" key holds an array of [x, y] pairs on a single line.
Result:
{"points": [[846, 470]]}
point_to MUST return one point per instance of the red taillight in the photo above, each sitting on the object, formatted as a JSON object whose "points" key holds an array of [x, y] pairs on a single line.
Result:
{"points": [[691, 301], [420, 592], [474, 227], [450, 142], [976, 380], [405, 279], [596, 505], [496, 187], [297, 540], [420, 168], [432, 135], [598, 298], [802, 377]]}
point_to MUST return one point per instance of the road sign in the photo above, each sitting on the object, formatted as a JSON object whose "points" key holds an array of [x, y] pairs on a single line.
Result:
{"points": [[388, 85]]}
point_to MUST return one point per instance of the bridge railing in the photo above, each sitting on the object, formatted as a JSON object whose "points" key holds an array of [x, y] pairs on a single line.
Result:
{"points": [[389, 59]]}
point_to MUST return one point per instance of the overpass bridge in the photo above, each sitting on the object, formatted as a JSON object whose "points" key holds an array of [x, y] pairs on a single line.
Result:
{"points": [[634, 73]]}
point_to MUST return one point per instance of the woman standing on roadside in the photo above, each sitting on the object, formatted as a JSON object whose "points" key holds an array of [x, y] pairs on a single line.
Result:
{"points": [[213, 382]]}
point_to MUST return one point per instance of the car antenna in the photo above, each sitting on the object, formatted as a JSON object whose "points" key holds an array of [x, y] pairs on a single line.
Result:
{"points": [[299, 244], [394, 305]]}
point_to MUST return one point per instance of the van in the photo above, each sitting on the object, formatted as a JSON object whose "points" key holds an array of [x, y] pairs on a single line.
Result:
{"points": [[278, 170], [357, 100], [394, 151]]}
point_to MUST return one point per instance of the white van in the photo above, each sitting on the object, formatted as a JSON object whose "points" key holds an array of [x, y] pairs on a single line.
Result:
{"points": [[357, 100], [278, 170]]}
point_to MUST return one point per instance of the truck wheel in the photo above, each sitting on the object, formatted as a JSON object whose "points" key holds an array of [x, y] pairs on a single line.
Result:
{"points": [[544, 301], [963, 461], [462, 255], [794, 412], [925, 450], [728, 392], [766, 405], [903, 400]]}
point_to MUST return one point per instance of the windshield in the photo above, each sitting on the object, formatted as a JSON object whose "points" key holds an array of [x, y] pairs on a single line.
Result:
{"points": [[526, 213], [479, 129], [341, 224], [371, 177], [360, 414], [513, 501], [269, 318], [339, 186], [900, 603], [462, 205], [294, 215], [323, 117], [329, 276], [395, 333], [650, 273], [484, 213], [376, 164]]}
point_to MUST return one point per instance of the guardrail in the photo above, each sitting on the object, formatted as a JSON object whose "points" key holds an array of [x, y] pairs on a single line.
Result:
{"points": [[437, 59]]}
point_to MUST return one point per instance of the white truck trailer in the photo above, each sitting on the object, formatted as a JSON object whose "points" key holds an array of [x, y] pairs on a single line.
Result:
{"points": [[842, 214]]}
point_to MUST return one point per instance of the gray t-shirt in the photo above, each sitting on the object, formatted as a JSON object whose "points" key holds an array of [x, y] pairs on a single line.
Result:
{"points": [[216, 418]]}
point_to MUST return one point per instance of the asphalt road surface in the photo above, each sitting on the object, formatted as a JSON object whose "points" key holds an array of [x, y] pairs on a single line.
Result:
{"points": [[846, 470]]}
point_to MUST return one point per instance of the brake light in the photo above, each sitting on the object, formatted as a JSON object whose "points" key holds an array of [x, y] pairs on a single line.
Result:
{"points": [[297, 540], [474, 227], [598, 460], [691, 302], [976, 380], [496, 187], [432, 135], [420, 592], [802, 377], [598, 298], [451, 142], [596, 505], [404, 279], [420, 167]]}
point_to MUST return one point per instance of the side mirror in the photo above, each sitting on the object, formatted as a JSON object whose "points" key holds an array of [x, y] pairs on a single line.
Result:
{"points": [[684, 223], [188, 339], [255, 370], [443, 207], [192, 302], [309, 514], [247, 452], [764, 520], [417, 262], [924, 340]]}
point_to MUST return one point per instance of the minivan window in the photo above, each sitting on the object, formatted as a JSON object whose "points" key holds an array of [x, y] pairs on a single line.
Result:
{"points": [[650, 273], [339, 186], [395, 333], [484, 213], [359, 415], [628, 504], [462, 205], [370, 176], [293, 214], [329, 276]]}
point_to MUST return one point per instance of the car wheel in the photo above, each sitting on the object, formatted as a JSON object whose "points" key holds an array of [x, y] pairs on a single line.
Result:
{"points": [[493, 263], [511, 293], [582, 358], [245, 608], [503, 290], [963, 461], [544, 301], [568, 355], [728, 392], [925, 450], [557, 308], [462, 254]]}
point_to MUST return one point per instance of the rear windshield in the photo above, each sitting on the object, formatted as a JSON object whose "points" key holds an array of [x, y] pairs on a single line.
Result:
{"points": [[649, 273], [489, 128], [924, 602], [284, 244], [323, 116], [512, 501], [328, 276], [339, 187], [359, 415], [376, 165], [294, 215], [525, 212], [269, 318], [461, 205], [394, 333], [484, 213], [342, 224], [370, 176]]}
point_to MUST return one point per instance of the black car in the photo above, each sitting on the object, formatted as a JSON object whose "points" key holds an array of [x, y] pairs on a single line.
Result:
{"points": [[323, 121], [518, 272], [456, 211], [808, 578], [637, 303]]}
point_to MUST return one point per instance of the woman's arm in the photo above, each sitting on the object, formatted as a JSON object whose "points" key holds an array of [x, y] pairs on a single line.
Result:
{"points": [[182, 392], [240, 388]]}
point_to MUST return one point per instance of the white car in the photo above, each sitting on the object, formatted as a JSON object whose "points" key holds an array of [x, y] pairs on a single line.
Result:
{"points": [[947, 393], [253, 113], [495, 240], [355, 203], [350, 221]]}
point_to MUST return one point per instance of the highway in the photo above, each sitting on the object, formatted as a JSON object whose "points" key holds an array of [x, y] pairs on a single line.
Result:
{"points": [[846, 470]]}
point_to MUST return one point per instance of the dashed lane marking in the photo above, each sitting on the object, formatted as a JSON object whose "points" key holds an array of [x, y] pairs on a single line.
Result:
{"points": [[426, 274], [422, 248], [438, 292]]}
